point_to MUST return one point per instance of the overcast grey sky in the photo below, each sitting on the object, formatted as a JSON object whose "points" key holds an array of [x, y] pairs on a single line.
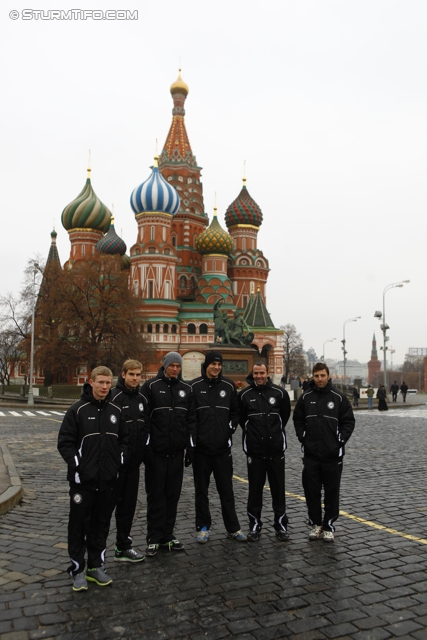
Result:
{"points": [[324, 99]]}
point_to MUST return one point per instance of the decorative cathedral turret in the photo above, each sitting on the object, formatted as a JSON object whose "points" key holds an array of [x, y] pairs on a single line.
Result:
{"points": [[153, 256], [248, 268], [112, 245], [215, 245], [53, 257], [374, 365], [179, 167], [86, 219]]}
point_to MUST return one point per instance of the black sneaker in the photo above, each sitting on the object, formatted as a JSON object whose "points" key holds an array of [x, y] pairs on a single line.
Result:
{"points": [[283, 536], [128, 555], [253, 536], [151, 550], [99, 576], [173, 545]]}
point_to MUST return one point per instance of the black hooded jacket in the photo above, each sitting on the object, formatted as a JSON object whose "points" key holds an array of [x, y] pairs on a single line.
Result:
{"points": [[216, 409], [264, 412], [92, 440], [134, 410], [172, 428], [324, 422]]}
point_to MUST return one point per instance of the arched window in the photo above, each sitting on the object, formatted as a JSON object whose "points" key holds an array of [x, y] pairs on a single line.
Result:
{"points": [[174, 241], [157, 328], [203, 329], [193, 282], [191, 328], [150, 328], [165, 328], [173, 328], [182, 282]]}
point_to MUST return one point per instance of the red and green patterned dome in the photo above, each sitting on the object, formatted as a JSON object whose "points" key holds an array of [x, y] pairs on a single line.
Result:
{"points": [[243, 210], [86, 211], [111, 244], [215, 239]]}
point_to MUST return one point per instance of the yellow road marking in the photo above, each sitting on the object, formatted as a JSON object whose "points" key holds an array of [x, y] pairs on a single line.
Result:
{"points": [[350, 516]]}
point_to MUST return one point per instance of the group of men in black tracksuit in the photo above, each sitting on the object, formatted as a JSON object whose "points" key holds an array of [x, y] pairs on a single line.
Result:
{"points": [[106, 435]]}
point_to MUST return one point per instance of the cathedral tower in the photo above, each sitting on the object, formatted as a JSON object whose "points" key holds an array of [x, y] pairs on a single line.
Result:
{"points": [[179, 167], [248, 269]]}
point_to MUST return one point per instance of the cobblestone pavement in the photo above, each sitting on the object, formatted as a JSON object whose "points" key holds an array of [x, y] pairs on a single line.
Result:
{"points": [[370, 584]]}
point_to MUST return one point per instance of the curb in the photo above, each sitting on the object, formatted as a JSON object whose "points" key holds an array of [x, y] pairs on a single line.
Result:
{"points": [[13, 495]]}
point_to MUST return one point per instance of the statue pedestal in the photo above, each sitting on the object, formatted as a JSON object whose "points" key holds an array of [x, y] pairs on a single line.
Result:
{"points": [[237, 362]]}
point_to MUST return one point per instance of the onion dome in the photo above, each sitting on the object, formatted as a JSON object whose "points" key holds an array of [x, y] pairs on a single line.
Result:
{"points": [[215, 239], [86, 211], [243, 210], [111, 243], [155, 194], [179, 86]]}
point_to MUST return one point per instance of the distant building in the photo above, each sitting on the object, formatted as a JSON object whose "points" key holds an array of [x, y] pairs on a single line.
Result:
{"points": [[374, 365]]}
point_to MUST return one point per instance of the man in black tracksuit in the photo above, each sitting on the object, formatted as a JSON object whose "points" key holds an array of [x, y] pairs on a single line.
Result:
{"points": [[324, 422], [216, 409], [128, 397], [92, 440], [171, 429], [264, 411]]}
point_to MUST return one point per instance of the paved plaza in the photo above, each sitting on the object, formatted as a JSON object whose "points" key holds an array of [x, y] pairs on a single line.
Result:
{"points": [[370, 584]]}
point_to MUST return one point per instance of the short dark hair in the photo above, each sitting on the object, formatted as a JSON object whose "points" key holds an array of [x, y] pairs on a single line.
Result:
{"points": [[260, 364], [319, 366]]}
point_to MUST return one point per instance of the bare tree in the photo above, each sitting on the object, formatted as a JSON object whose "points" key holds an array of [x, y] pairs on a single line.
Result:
{"points": [[293, 359], [87, 315]]}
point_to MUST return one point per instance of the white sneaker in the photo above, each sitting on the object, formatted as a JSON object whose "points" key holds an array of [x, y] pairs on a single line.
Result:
{"points": [[328, 536], [203, 535], [316, 532]]}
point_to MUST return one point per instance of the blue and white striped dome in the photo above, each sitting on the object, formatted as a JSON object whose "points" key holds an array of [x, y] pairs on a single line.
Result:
{"points": [[155, 194]]}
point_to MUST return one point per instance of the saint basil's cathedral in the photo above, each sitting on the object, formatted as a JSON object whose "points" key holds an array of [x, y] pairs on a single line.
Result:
{"points": [[180, 265]]}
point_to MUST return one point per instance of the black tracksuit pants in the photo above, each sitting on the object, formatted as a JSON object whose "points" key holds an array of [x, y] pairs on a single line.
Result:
{"points": [[221, 465], [88, 526], [315, 474], [127, 495], [163, 483], [258, 470]]}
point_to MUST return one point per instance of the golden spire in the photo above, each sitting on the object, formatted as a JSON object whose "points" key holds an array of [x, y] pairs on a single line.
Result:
{"points": [[88, 166], [179, 86], [244, 173], [156, 161]]}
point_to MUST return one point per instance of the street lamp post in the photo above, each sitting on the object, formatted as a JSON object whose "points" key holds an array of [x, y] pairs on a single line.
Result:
{"points": [[384, 326], [343, 341], [30, 400], [326, 341]]}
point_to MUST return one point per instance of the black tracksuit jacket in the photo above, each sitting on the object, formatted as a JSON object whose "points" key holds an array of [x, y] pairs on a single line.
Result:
{"points": [[264, 412], [324, 422], [134, 411], [93, 440], [216, 409], [172, 427]]}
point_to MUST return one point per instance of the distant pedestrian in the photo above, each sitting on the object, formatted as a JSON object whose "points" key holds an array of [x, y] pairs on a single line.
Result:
{"points": [[324, 422], [128, 397], [394, 390], [92, 440], [305, 384], [216, 409], [356, 396], [264, 411], [370, 396], [404, 390], [382, 398], [168, 399]]}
